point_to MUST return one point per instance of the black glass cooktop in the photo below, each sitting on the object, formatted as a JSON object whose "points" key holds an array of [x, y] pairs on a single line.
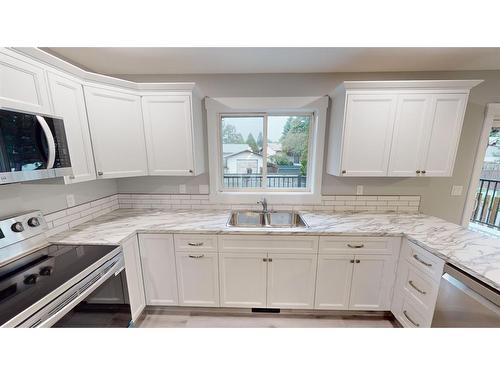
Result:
{"points": [[29, 279]]}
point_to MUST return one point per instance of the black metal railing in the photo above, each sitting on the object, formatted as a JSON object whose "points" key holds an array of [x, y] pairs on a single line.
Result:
{"points": [[255, 181], [487, 203]]}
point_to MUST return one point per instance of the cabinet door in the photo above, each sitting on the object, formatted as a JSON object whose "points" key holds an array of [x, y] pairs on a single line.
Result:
{"points": [[198, 279], [158, 267], [169, 134], [372, 282], [243, 279], [291, 280], [117, 131], [334, 282], [69, 103], [408, 141], [22, 85], [447, 111], [368, 130], [133, 271]]}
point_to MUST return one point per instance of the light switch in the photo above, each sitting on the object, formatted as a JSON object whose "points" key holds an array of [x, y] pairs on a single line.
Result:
{"points": [[359, 189], [456, 190], [70, 200], [182, 189]]}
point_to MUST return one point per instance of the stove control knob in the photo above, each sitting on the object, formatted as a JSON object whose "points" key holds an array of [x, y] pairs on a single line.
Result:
{"points": [[33, 222], [46, 271], [17, 227], [31, 279]]}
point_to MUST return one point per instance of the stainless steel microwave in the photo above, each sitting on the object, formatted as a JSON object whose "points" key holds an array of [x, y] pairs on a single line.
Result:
{"points": [[32, 147]]}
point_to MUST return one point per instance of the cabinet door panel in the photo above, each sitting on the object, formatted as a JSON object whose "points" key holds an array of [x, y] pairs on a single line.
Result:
{"points": [[291, 280], [158, 266], [198, 279], [133, 271], [22, 85], [372, 282], [368, 131], [412, 119], [334, 282], [444, 134], [117, 132], [169, 134], [243, 279], [69, 103]]}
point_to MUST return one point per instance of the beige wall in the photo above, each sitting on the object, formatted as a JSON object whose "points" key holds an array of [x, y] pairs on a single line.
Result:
{"points": [[435, 192]]}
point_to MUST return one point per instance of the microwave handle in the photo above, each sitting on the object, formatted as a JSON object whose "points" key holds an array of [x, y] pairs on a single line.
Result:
{"points": [[50, 141]]}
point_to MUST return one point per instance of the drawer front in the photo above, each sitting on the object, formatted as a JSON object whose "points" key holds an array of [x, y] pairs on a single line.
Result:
{"points": [[422, 288], [422, 260], [270, 244], [409, 314], [190, 242], [359, 245]]}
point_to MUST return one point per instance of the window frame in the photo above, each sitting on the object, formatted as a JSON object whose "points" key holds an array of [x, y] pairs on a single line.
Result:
{"points": [[265, 115], [258, 106]]}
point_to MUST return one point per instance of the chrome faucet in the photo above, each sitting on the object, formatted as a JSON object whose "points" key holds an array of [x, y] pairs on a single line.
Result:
{"points": [[263, 202]]}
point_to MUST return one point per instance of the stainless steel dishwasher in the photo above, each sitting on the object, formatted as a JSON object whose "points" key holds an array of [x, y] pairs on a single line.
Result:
{"points": [[464, 301]]}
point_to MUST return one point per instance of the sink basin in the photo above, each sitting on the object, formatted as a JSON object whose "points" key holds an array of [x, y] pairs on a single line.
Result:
{"points": [[271, 219]]}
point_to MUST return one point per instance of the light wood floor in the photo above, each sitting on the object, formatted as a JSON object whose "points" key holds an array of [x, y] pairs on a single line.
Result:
{"points": [[240, 318]]}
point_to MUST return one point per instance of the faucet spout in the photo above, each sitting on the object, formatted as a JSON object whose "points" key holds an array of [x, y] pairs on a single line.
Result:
{"points": [[263, 202]]}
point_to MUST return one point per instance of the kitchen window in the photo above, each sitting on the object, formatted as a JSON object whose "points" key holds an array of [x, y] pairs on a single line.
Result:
{"points": [[266, 147], [265, 151]]}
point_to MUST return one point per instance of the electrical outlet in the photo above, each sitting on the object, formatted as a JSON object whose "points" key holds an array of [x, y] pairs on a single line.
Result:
{"points": [[359, 189], [70, 200], [182, 189], [457, 190], [203, 189]]}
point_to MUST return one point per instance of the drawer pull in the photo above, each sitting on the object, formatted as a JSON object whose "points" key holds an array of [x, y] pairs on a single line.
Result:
{"points": [[358, 261], [410, 319], [416, 288], [195, 243], [421, 261], [352, 260], [355, 246], [264, 259], [196, 256]]}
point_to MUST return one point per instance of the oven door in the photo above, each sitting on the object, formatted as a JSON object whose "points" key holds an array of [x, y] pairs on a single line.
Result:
{"points": [[106, 307], [32, 147]]}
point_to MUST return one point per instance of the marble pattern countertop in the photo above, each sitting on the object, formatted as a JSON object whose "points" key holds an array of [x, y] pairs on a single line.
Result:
{"points": [[476, 253]]}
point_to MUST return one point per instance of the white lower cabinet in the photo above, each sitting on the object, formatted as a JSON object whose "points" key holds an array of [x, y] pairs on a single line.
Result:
{"points": [[133, 271], [158, 265], [291, 280], [243, 279], [333, 286], [198, 278]]}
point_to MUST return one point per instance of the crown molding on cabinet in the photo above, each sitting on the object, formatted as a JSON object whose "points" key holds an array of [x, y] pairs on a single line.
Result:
{"points": [[465, 84]]}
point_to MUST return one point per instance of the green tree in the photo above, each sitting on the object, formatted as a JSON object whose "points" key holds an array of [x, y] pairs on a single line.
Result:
{"points": [[260, 140], [252, 143], [230, 135], [295, 139], [280, 159]]}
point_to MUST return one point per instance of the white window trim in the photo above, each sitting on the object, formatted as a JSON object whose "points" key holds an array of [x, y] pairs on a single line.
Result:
{"points": [[275, 105]]}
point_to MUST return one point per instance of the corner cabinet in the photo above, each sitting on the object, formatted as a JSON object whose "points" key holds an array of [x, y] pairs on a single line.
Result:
{"points": [[174, 134], [69, 103], [117, 131], [396, 128]]}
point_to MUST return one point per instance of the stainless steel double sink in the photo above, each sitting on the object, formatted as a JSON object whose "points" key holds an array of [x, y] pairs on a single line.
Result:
{"points": [[266, 219]]}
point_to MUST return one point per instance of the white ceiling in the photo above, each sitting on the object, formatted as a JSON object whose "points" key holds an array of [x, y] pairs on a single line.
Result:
{"points": [[159, 60]]}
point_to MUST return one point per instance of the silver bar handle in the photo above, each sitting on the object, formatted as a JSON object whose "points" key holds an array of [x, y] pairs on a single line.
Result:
{"points": [[421, 261], [50, 141], [195, 243], [355, 246], [196, 256], [410, 319], [416, 288]]}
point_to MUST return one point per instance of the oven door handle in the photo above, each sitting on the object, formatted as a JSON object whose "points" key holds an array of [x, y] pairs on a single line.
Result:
{"points": [[50, 141]]}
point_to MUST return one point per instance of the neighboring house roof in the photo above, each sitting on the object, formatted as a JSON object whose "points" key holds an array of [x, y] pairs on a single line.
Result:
{"points": [[242, 152], [232, 148]]}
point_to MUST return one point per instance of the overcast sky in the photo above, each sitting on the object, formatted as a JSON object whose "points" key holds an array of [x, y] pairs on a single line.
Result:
{"points": [[255, 125]]}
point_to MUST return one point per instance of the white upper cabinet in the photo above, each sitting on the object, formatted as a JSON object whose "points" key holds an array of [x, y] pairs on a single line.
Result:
{"points": [[174, 134], [22, 84], [69, 103], [117, 131], [396, 128]]}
